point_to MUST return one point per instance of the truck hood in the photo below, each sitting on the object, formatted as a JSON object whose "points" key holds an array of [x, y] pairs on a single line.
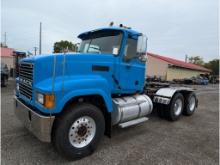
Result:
{"points": [[59, 56], [69, 64]]}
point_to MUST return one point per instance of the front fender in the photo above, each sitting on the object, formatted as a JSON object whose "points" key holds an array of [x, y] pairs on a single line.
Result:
{"points": [[85, 92], [68, 87]]}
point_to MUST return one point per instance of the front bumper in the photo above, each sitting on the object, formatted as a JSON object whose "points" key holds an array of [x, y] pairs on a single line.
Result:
{"points": [[39, 125]]}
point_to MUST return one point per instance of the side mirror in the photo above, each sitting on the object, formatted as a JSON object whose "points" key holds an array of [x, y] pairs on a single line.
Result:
{"points": [[142, 45]]}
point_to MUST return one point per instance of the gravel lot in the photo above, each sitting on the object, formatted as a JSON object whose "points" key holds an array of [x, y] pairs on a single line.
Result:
{"points": [[191, 140]]}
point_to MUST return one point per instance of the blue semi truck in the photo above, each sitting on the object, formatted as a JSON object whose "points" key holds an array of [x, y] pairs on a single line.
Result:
{"points": [[73, 99]]}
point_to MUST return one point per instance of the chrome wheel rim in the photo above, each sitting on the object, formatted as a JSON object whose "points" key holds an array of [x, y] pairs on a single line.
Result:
{"points": [[192, 103], [82, 132], [178, 107]]}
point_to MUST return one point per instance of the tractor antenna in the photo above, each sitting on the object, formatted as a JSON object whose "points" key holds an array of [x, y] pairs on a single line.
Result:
{"points": [[111, 23]]}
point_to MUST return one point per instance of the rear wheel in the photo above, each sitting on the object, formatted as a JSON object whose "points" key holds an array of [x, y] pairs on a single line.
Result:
{"points": [[175, 108], [190, 104], [79, 131]]}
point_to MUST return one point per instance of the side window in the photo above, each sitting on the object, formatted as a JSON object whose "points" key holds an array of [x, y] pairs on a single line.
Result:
{"points": [[131, 48]]}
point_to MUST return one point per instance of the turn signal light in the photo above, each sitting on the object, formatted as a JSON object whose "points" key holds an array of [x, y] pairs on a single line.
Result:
{"points": [[49, 101]]}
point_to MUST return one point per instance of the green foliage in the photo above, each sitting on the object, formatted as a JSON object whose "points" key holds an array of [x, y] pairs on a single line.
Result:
{"points": [[213, 65], [61, 46], [196, 60]]}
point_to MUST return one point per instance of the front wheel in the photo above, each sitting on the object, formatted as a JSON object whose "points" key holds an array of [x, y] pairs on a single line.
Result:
{"points": [[79, 131]]}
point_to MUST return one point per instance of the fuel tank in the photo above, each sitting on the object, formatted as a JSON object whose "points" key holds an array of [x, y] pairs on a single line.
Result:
{"points": [[130, 108]]}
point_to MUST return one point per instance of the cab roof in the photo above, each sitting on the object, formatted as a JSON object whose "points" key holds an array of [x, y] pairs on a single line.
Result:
{"points": [[126, 30]]}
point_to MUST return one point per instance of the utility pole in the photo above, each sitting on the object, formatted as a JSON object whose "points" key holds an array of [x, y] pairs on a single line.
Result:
{"points": [[186, 58], [5, 35], [40, 38], [35, 50]]}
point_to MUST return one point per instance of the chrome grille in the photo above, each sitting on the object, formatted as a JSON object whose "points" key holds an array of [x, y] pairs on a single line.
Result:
{"points": [[26, 79]]}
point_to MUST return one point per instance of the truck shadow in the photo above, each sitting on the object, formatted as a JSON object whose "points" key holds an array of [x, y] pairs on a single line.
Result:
{"points": [[133, 131]]}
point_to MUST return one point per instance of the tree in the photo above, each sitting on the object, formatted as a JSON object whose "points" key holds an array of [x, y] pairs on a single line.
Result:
{"points": [[61, 46], [196, 60], [213, 65]]}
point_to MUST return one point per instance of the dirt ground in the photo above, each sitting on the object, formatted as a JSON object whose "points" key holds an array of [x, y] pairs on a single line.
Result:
{"points": [[191, 140]]}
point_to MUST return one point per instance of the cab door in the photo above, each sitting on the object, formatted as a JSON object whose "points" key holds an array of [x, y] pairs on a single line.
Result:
{"points": [[131, 68]]}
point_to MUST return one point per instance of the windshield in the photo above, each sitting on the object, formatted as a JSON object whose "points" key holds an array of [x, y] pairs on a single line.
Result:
{"points": [[101, 42]]}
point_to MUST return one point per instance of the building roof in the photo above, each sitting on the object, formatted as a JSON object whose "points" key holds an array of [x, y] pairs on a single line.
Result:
{"points": [[180, 63], [6, 52]]}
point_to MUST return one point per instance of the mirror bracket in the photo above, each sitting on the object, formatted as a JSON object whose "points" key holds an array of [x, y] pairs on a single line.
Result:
{"points": [[143, 58]]}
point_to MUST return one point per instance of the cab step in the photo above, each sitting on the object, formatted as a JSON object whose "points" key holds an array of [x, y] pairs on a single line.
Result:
{"points": [[133, 122]]}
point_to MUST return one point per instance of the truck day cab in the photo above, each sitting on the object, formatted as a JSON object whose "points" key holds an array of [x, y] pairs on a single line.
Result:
{"points": [[73, 99]]}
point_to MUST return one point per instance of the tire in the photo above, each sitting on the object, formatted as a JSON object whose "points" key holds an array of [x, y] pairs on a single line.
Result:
{"points": [[73, 129], [190, 104], [6, 81], [173, 112], [3, 81]]}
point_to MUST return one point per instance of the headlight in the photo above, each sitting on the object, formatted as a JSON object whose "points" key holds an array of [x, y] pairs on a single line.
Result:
{"points": [[47, 100], [40, 98]]}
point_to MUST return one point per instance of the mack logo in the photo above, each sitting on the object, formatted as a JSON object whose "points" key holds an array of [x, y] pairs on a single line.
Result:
{"points": [[26, 82]]}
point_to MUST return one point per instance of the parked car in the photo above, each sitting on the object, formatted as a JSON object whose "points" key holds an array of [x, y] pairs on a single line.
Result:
{"points": [[205, 81], [200, 80], [4, 74]]}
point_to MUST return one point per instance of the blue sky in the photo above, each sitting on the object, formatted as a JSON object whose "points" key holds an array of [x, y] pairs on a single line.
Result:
{"points": [[174, 28]]}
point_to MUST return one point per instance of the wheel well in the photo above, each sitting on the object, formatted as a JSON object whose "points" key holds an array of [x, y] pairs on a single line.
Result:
{"points": [[96, 100]]}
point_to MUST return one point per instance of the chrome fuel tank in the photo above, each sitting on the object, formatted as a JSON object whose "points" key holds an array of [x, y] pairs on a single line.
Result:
{"points": [[130, 108]]}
